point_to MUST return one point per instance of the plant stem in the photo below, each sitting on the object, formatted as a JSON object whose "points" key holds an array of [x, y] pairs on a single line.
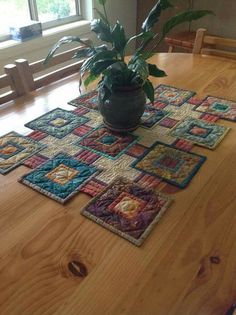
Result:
{"points": [[105, 13]]}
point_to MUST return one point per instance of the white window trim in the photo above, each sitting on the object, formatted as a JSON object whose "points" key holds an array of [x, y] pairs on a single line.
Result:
{"points": [[33, 14], [46, 41]]}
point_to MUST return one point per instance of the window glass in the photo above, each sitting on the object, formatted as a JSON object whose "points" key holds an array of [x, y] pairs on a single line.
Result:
{"points": [[49, 10], [11, 12]]}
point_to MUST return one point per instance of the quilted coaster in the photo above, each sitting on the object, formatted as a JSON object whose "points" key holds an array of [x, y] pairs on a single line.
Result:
{"points": [[151, 116], [35, 161], [195, 100], [80, 110], [200, 132], [158, 105], [168, 122], [37, 135], [15, 149], [87, 156], [127, 209], [136, 150], [183, 145], [109, 144], [57, 123], [180, 112], [93, 187], [55, 145], [147, 137], [172, 95], [113, 168], [172, 165], [209, 117], [82, 130], [220, 107], [59, 178], [89, 100], [148, 181]]}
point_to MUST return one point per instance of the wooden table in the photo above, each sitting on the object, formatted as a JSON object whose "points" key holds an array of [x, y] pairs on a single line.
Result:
{"points": [[186, 267]]}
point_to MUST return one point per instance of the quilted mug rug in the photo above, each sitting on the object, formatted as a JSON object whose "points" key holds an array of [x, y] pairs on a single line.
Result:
{"points": [[127, 209]]}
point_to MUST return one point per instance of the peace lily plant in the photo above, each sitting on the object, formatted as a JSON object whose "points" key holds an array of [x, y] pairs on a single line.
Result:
{"points": [[107, 61]]}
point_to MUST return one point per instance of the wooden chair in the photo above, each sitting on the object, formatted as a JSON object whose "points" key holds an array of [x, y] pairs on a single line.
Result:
{"points": [[28, 72], [214, 45], [182, 40], [11, 84]]}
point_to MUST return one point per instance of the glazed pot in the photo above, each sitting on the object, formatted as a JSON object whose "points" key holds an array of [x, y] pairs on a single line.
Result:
{"points": [[123, 109]]}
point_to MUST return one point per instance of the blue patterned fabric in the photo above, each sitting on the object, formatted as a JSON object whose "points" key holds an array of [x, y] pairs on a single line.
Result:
{"points": [[151, 116], [57, 123], [15, 149], [200, 132], [60, 177]]}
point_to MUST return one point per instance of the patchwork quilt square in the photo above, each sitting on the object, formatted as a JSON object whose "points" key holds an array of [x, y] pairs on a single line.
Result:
{"points": [[220, 107], [136, 150], [89, 100], [55, 145], [57, 123], [172, 95], [127, 209], [35, 161], [174, 166], [200, 132], [113, 168], [168, 122], [15, 149], [109, 144], [158, 104], [93, 187], [151, 116], [60, 178]]}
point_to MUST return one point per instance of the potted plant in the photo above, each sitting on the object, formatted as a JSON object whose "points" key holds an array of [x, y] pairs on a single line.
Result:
{"points": [[124, 83]]}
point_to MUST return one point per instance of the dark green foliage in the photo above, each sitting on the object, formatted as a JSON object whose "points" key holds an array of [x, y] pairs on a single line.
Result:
{"points": [[108, 61]]}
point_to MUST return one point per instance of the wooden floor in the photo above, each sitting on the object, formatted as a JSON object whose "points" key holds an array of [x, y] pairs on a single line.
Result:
{"points": [[186, 267]]}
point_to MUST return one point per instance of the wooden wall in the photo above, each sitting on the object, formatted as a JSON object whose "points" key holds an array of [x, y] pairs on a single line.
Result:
{"points": [[222, 24]]}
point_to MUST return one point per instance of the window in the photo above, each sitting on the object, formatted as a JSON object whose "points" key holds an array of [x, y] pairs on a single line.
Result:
{"points": [[49, 12]]}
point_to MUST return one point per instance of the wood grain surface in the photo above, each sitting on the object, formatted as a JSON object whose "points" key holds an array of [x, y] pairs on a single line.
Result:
{"points": [[53, 261]]}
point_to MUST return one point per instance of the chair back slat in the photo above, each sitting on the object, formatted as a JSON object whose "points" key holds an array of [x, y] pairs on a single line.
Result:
{"points": [[218, 52], [8, 96], [29, 71], [11, 83], [214, 45], [5, 81], [220, 41], [57, 74]]}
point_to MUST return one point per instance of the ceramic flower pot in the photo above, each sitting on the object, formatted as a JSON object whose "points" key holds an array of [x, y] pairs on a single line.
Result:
{"points": [[124, 108]]}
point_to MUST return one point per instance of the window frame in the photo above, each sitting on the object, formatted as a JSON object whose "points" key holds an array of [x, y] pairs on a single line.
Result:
{"points": [[33, 15]]}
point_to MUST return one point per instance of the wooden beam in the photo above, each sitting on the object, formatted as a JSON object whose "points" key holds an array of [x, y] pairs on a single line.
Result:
{"points": [[16, 80], [26, 74]]}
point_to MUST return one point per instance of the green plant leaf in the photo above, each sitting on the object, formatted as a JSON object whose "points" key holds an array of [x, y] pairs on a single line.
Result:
{"points": [[156, 72], [149, 90], [142, 36], [102, 2], [84, 52], [91, 78], [119, 38], [154, 14], [101, 65], [183, 17], [101, 15], [64, 40], [102, 55], [165, 4], [102, 30], [116, 75], [140, 67]]}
